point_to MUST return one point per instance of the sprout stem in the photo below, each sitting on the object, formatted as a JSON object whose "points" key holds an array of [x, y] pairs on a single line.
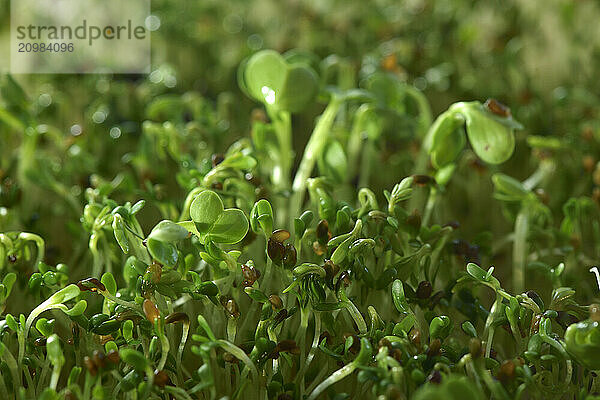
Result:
{"points": [[316, 143]]}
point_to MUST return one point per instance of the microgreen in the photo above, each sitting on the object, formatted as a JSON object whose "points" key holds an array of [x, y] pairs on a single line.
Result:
{"points": [[209, 263]]}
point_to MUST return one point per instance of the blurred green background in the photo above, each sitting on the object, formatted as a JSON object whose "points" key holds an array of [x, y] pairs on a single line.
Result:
{"points": [[540, 57]]}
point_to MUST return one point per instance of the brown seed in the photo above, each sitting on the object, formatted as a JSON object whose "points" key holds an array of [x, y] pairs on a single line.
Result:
{"points": [[319, 248], [507, 371], [90, 366], [91, 284], [542, 195], [153, 273], [173, 318], [161, 379], [275, 250], [478, 166], [422, 180], [290, 256], [113, 357], [150, 310], [434, 348], [596, 175], [424, 290], [415, 337], [253, 179], [493, 353], [344, 279], [250, 275], [596, 195], [280, 235], [217, 159], [475, 348], [323, 233], [390, 62], [327, 336], [258, 115], [588, 163], [40, 342], [331, 269], [280, 316], [288, 346], [384, 343], [452, 224], [495, 107], [587, 134], [232, 308], [595, 312], [535, 323], [230, 358], [396, 354], [12, 258], [435, 377], [276, 302], [99, 359]]}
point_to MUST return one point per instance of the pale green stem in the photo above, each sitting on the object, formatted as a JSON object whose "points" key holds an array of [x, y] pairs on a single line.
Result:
{"points": [[429, 206], [316, 143], [520, 249], [164, 344], [333, 378], [10, 361]]}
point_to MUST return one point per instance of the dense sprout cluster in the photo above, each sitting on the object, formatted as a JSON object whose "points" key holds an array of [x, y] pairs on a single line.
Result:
{"points": [[318, 233]]}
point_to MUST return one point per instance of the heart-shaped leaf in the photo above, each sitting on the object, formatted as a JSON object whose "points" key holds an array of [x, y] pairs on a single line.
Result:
{"points": [[230, 228], [168, 231], [212, 220], [205, 210], [270, 79], [164, 252], [446, 139], [491, 136]]}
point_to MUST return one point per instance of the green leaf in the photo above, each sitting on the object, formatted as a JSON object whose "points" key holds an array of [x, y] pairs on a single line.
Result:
{"points": [[446, 139], [492, 138], [230, 228], [205, 210], [134, 358], [476, 272], [211, 219], [256, 295], [328, 306], [508, 188], [398, 297], [286, 86], [64, 295], [168, 231], [261, 217], [53, 350], [440, 327], [163, 252], [119, 230], [78, 309], [45, 326], [108, 280], [8, 281]]}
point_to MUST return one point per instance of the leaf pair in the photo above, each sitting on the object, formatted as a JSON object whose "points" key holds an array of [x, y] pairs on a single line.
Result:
{"points": [[491, 135], [213, 222], [284, 84]]}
